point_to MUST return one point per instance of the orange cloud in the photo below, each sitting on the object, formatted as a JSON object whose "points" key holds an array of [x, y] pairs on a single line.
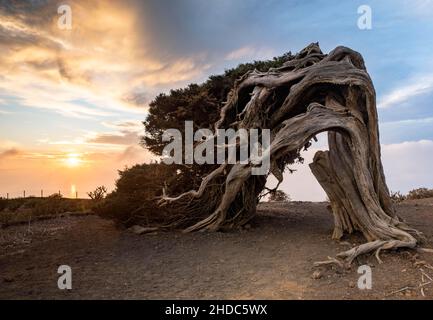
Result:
{"points": [[101, 61], [9, 153]]}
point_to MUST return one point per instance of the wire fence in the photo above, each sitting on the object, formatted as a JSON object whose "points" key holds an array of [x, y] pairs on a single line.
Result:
{"points": [[44, 193]]}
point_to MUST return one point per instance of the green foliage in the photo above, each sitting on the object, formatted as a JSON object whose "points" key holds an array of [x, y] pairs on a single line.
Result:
{"points": [[137, 191]]}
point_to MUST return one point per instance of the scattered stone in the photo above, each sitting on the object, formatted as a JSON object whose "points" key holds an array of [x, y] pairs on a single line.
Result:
{"points": [[141, 230], [345, 243], [317, 275], [408, 293], [352, 284], [8, 279]]}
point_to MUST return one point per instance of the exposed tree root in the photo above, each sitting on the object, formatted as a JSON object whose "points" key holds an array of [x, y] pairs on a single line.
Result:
{"points": [[376, 246], [330, 261]]}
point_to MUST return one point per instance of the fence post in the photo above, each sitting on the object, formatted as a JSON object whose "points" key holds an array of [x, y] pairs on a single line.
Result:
{"points": [[76, 194], [7, 196], [24, 193], [42, 193]]}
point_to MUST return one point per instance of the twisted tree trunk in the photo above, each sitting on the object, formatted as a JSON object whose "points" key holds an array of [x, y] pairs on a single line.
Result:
{"points": [[309, 94]]}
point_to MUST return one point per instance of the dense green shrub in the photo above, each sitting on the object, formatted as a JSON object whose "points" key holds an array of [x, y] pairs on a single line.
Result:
{"points": [[136, 194]]}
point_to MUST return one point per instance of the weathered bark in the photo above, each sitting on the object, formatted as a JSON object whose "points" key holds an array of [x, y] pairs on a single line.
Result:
{"points": [[311, 93]]}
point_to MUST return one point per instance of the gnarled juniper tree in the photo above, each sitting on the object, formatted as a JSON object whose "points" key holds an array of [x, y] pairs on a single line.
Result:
{"points": [[310, 93]]}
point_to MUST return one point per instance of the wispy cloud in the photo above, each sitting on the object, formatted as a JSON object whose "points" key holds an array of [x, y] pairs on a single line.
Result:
{"points": [[135, 153], [250, 52], [122, 138], [126, 132], [408, 122], [9, 153], [414, 87], [4, 112], [407, 165], [123, 133], [419, 7], [130, 125]]}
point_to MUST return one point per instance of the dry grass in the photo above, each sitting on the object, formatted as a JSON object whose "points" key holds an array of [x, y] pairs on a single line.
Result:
{"points": [[14, 211]]}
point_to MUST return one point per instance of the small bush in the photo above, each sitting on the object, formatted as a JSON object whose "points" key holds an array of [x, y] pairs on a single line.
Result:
{"points": [[134, 200], [279, 196], [420, 193], [24, 209], [135, 194], [3, 204], [98, 194], [397, 196], [55, 196]]}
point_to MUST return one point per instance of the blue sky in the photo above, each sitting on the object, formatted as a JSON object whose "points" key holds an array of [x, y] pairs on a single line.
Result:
{"points": [[84, 91]]}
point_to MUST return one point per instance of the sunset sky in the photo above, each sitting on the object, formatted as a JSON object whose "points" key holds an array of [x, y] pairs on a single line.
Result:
{"points": [[72, 101]]}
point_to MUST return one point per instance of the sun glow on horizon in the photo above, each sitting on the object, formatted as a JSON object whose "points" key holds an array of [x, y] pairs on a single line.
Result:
{"points": [[73, 190], [73, 160]]}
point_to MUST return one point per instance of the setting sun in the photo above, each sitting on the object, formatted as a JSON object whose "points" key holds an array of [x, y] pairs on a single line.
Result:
{"points": [[73, 160]]}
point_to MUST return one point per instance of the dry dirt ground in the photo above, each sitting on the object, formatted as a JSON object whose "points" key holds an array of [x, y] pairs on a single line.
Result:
{"points": [[272, 259]]}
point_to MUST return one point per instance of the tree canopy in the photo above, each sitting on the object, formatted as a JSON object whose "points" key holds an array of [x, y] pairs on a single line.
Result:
{"points": [[200, 103]]}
